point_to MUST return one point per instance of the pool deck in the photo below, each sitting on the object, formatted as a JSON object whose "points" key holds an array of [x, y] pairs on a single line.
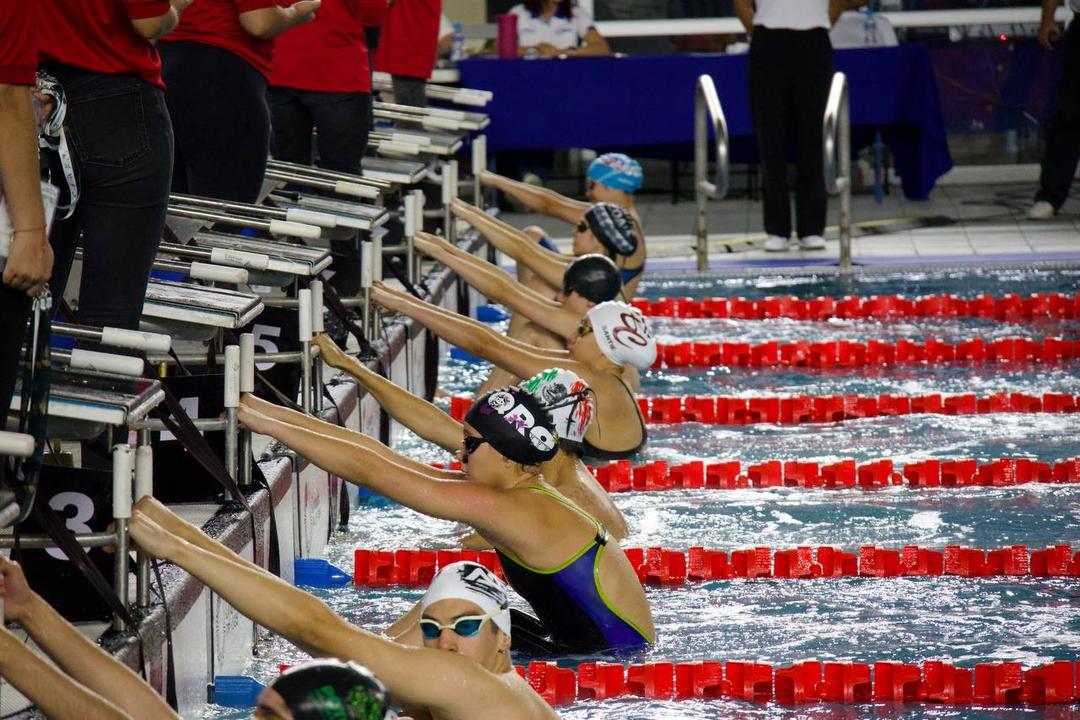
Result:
{"points": [[958, 224]]}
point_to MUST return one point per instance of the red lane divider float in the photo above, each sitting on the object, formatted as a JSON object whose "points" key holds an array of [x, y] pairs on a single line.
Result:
{"points": [[811, 681], [665, 567], [724, 410], [853, 354], [1004, 308], [621, 476]]}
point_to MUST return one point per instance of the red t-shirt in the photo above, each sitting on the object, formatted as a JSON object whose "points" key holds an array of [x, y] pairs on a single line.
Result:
{"points": [[18, 42], [371, 12], [217, 23], [97, 35], [328, 54], [409, 36]]}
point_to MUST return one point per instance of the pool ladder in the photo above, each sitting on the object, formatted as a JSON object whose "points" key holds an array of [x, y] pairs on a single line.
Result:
{"points": [[707, 107], [836, 144]]}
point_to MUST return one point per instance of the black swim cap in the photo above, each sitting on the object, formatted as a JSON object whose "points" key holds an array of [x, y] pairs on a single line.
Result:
{"points": [[593, 277], [331, 689], [614, 227], [516, 425]]}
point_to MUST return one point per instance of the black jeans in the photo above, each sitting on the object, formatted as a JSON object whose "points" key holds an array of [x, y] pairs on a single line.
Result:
{"points": [[121, 144], [1063, 136], [14, 311], [340, 118], [409, 91], [218, 106], [790, 74]]}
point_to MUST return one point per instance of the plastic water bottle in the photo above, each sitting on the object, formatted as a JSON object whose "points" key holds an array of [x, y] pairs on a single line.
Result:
{"points": [[870, 36], [457, 44]]}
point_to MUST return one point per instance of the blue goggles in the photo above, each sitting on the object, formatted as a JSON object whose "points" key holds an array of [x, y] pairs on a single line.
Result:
{"points": [[466, 626]]}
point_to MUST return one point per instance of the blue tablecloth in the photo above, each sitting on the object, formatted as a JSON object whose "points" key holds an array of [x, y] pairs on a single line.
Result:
{"points": [[637, 101]]}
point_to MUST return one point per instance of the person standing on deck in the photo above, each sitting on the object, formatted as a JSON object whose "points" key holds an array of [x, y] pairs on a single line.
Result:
{"points": [[791, 69], [1063, 136]]}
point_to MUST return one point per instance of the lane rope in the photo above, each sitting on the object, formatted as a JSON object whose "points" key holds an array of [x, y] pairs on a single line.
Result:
{"points": [[666, 567], [1010, 308], [799, 409], [810, 681], [803, 354], [621, 476]]}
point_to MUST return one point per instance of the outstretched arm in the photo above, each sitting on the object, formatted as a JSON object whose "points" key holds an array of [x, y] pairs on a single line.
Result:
{"points": [[307, 622], [55, 694], [538, 199], [473, 337], [500, 287], [415, 413], [513, 242], [308, 422], [477, 505], [106, 680]]}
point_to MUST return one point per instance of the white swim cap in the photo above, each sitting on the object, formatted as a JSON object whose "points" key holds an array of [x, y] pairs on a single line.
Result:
{"points": [[474, 583], [623, 334], [566, 397]]}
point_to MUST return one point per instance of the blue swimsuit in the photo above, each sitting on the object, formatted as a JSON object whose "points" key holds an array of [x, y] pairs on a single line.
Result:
{"points": [[572, 613]]}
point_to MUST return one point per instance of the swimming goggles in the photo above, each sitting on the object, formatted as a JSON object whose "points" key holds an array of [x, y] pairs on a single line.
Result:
{"points": [[584, 327], [467, 626], [472, 443], [583, 227]]}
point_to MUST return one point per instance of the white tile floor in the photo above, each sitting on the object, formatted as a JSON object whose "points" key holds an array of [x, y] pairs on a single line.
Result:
{"points": [[956, 224]]}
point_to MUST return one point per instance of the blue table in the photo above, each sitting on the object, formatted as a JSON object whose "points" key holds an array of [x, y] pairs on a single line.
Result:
{"points": [[634, 102]]}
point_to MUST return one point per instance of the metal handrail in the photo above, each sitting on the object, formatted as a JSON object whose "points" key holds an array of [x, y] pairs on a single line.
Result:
{"points": [[667, 27], [707, 106], [837, 147]]}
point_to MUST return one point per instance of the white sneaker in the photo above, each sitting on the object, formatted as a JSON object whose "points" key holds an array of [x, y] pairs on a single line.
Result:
{"points": [[1040, 210], [812, 242], [775, 243]]}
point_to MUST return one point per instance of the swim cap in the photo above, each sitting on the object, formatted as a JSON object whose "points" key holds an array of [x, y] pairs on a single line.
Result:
{"points": [[325, 688], [614, 227], [472, 582], [617, 171], [593, 277], [516, 425], [566, 397], [623, 334]]}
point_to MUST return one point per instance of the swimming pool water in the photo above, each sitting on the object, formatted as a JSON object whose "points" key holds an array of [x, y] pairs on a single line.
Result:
{"points": [[964, 621]]}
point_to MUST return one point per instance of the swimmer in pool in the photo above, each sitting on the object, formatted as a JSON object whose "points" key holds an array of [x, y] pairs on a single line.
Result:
{"points": [[604, 228], [87, 682], [571, 408], [612, 343], [611, 178], [465, 664], [549, 323], [578, 580], [91, 684]]}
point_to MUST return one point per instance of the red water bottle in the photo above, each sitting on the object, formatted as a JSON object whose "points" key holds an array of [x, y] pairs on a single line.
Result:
{"points": [[507, 35]]}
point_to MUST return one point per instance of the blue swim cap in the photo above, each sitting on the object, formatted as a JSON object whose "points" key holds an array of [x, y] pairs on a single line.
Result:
{"points": [[617, 171]]}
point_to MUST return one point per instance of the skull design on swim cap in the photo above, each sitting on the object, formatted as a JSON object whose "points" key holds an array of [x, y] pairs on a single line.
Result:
{"points": [[516, 425]]}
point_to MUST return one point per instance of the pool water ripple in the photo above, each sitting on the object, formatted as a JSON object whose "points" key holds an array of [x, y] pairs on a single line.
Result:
{"points": [[965, 621]]}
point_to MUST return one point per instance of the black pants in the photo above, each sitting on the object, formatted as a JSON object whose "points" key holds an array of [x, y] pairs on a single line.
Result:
{"points": [[409, 91], [121, 143], [790, 73], [340, 118], [14, 311], [1063, 135], [218, 105]]}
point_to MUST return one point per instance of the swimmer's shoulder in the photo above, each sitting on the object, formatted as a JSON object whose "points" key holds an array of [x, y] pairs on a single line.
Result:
{"points": [[530, 706]]}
